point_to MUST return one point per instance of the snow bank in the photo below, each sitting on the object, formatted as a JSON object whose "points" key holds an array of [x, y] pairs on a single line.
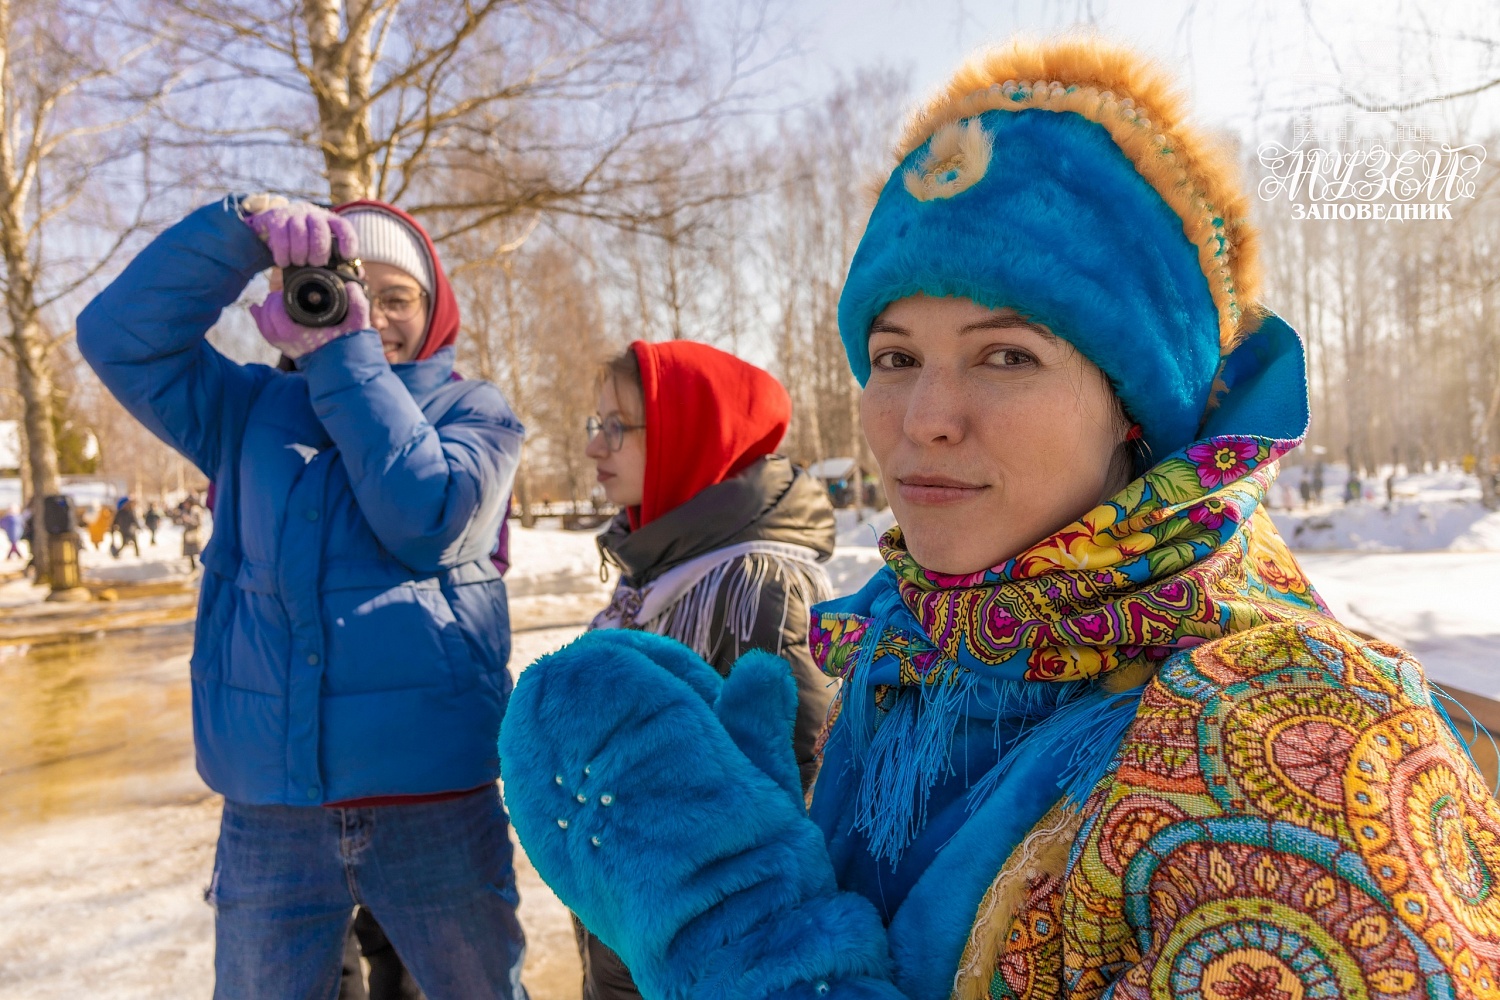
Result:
{"points": [[1441, 606], [1422, 526], [1424, 512]]}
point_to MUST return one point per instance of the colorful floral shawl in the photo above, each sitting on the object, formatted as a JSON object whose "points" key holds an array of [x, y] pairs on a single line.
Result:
{"points": [[1183, 555]]}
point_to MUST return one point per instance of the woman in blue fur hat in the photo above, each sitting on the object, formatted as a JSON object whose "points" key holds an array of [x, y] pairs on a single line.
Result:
{"points": [[1098, 736]]}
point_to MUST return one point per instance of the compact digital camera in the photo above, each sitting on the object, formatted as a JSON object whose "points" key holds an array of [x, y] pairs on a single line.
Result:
{"points": [[315, 295]]}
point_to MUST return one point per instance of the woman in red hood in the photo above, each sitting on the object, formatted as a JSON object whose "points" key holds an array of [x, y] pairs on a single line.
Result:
{"points": [[719, 542]]}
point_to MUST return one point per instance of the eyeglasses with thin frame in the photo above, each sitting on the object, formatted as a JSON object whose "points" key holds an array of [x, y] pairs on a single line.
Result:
{"points": [[613, 429], [399, 304]]}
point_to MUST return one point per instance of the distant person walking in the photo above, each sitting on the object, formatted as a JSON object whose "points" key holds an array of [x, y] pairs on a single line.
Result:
{"points": [[152, 519], [128, 527], [192, 533], [12, 525], [101, 524], [28, 535]]}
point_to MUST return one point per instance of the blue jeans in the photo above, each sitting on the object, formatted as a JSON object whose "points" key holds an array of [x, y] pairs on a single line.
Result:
{"points": [[437, 876]]}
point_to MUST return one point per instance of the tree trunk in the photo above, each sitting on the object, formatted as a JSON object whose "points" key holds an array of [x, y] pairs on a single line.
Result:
{"points": [[517, 387], [34, 383], [674, 286], [341, 86], [34, 380], [1483, 404]]}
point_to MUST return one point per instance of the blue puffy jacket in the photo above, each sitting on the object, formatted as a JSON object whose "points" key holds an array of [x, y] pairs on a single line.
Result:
{"points": [[352, 633]]}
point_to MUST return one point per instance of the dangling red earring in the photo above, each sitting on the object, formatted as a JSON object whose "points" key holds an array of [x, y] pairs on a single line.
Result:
{"points": [[1134, 434]]}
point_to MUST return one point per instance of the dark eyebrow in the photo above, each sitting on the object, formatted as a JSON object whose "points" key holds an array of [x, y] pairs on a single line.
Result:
{"points": [[1008, 323], [988, 323]]}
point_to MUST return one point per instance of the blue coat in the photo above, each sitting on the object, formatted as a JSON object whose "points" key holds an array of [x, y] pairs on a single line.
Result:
{"points": [[352, 634]]}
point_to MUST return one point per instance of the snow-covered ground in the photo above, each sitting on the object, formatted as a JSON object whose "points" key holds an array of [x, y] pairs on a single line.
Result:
{"points": [[157, 562], [1444, 607], [1414, 526]]}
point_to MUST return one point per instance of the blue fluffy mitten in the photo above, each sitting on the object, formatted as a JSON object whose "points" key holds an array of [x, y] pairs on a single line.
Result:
{"points": [[663, 805]]}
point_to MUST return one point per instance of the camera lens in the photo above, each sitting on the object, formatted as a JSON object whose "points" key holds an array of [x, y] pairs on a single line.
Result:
{"points": [[314, 296]]}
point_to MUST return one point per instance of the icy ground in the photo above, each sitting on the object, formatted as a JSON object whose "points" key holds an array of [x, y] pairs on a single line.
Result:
{"points": [[101, 878], [108, 901]]}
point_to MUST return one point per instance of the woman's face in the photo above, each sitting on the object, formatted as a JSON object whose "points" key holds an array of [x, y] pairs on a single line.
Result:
{"points": [[621, 472], [398, 310], [991, 433]]}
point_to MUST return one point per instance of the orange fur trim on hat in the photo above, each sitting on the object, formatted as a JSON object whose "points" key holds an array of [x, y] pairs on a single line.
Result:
{"points": [[1137, 102]]}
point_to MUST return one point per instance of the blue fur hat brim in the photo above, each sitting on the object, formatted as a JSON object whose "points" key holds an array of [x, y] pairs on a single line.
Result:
{"points": [[1063, 229]]}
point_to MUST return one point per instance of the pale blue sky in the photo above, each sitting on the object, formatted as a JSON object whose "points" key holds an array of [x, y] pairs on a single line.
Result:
{"points": [[1245, 63]]}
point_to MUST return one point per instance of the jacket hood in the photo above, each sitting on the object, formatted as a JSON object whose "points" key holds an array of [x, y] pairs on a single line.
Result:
{"points": [[709, 416], [442, 315], [770, 501]]}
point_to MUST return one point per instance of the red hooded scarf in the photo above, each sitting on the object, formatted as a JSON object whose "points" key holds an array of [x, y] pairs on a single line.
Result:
{"points": [[709, 417], [442, 316]]}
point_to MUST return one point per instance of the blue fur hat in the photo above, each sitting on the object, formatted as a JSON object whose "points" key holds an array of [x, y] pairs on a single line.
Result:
{"points": [[1063, 199]]}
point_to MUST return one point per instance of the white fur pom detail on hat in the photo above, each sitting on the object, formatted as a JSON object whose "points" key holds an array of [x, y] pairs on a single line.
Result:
{"points": [[957, 158], [385, 239]]}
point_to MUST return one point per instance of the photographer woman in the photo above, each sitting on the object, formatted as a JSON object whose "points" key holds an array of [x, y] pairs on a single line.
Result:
{"points": [[349, 668], [1097, 735], [719, 541]]}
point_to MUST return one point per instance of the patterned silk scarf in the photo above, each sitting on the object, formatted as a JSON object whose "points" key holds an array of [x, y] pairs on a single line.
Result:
{"points": [[1183, 555]]}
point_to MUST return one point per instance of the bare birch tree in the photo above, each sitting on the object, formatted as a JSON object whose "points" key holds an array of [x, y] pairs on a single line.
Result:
{"points": [[464, 111], [70, 96], [827, 159]]}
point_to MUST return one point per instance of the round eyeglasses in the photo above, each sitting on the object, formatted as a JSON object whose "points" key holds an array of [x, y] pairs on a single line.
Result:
{"points": [[399, 305], [613, 429]]}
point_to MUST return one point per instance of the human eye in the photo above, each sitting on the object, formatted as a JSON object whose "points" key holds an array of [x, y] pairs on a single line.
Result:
{"points": [[893, 360], [1009, 357]]}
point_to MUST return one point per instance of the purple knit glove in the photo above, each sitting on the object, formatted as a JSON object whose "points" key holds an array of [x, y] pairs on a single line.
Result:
{"points": [[298, 233], [293, 340]]}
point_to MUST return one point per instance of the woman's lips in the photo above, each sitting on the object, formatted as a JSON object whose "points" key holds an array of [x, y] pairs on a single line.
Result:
{"points": [[603, 476], [937, 491]]}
